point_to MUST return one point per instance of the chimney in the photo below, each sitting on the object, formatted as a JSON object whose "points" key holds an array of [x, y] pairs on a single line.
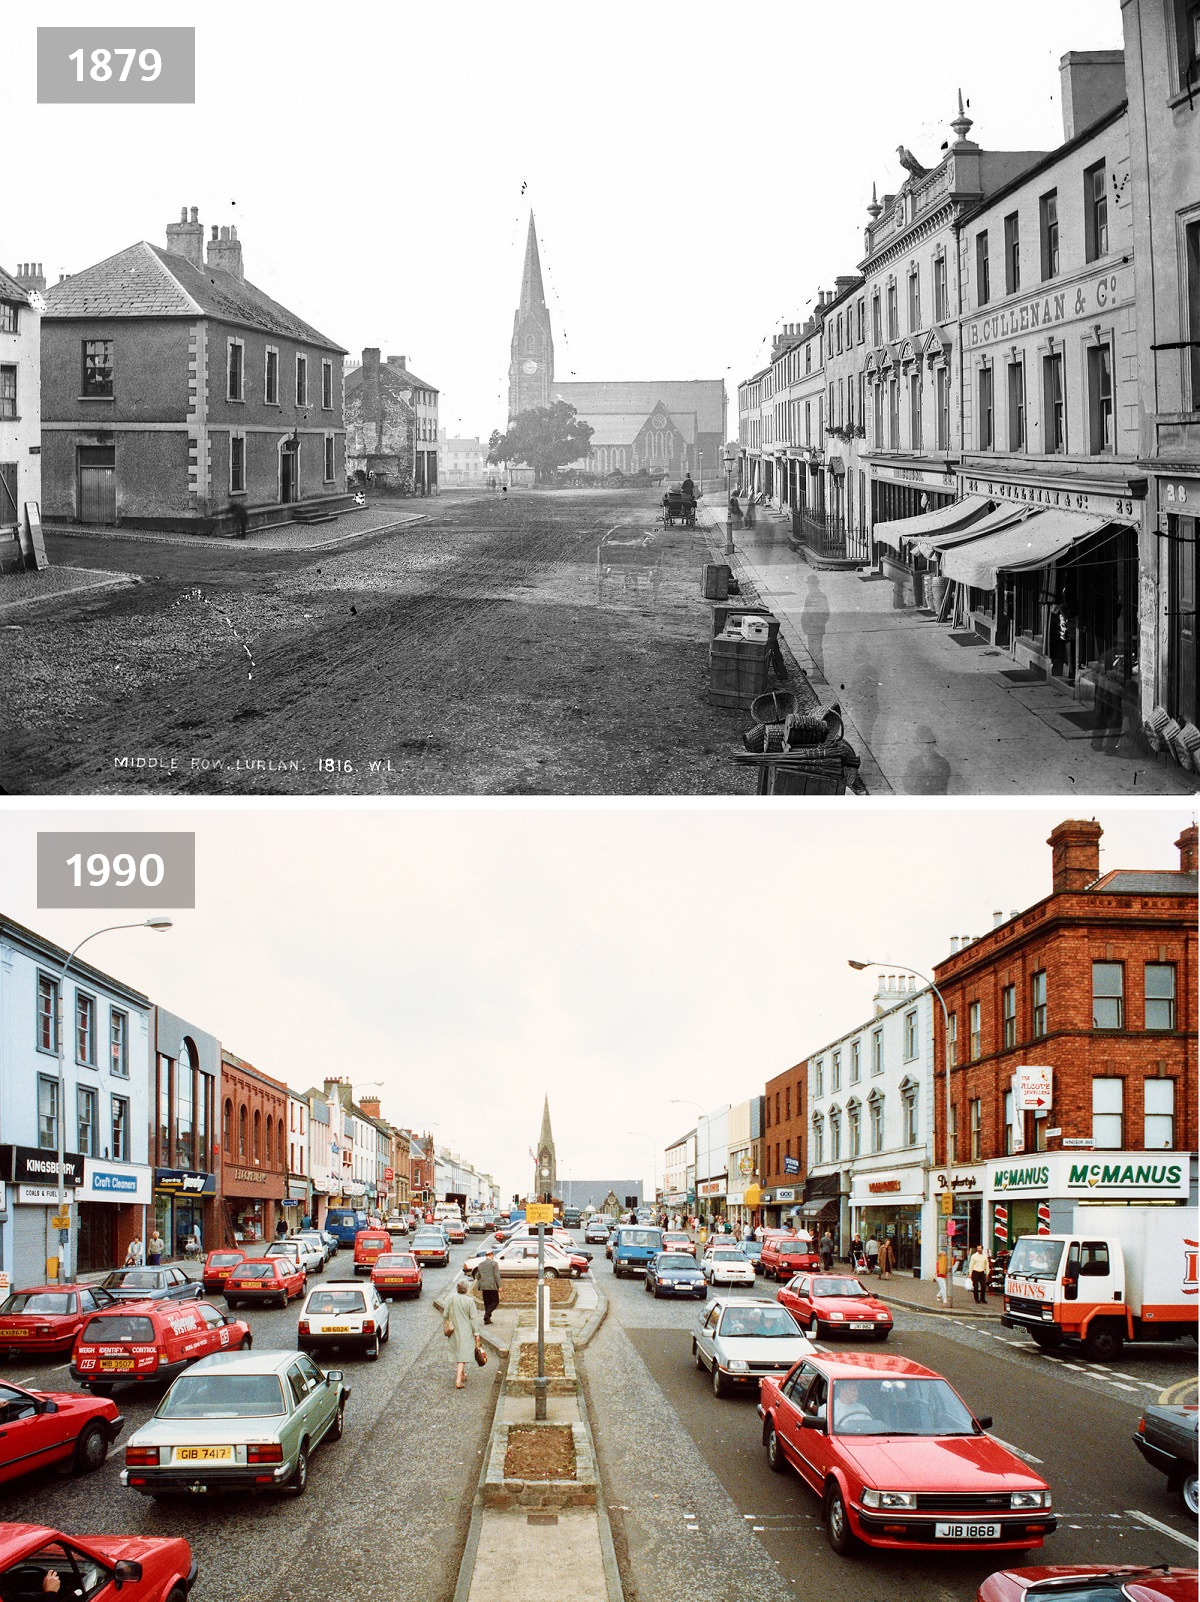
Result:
{"points": [[1187, 849], [844, 283], [31, 277], [372, 404], [399, 361], [370, 1105], [225, 252], [953, 944], [997, 918], [1075, 848], [186, 238], [1093, 83]]}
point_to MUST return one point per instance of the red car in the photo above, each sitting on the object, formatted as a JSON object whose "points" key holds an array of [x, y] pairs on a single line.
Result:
{"points": [[898, 1458], [679, 1242], [138, 1568], [38, 1428], [1091, 1580], [397, 1274], [47, 1318], [141, 1343], [785, 1255], [217, 1266], [835, 1304], [265, 1279]]}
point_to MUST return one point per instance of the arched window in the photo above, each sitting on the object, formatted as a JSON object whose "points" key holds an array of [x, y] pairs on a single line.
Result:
{"points": [[854, 1127], [875, 1112], [270, 1137], [835, 1134], [257, 1135], [282, 1158], [227, 1127], [242, 1131], [818, 1139]]}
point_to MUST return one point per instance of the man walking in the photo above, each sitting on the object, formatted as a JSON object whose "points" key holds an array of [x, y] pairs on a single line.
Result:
{"points": [[487, 1277], [872, 1251], [827, 1251], [977, 1267]]}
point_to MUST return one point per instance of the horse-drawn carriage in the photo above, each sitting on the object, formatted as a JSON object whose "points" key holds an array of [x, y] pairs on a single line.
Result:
{"points": [[678, 508]]}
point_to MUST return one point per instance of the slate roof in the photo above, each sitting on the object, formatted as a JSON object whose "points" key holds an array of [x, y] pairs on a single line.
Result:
{"points": [[1146, 881], [615, 428], [401, 377], [147, 281], [10, 290], [702, 396], [591, 1192]]}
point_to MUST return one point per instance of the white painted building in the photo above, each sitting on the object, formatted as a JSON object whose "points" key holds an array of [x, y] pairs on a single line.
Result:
{"points": [[105, 1105], [20, 405]]}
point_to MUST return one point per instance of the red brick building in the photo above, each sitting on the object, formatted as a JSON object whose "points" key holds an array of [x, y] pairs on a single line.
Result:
{"points": [[783, 1166], [1097, 982], [254, 1151]]}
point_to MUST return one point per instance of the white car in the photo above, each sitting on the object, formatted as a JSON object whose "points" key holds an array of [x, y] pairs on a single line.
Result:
{"points": [[305, 1252], [343, 1312], [726, 1265], [741, 1338], [325, 1244], [519, 1259]]}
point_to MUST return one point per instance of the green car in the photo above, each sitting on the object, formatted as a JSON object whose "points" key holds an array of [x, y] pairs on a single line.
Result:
{"points": [[237, 1421]]}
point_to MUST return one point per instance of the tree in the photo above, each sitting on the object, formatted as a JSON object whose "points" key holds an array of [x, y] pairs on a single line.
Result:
{"points": [[544, 438]]}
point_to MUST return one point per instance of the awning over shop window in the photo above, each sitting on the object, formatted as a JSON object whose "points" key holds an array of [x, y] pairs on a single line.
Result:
{"points": [[752, 1196], [957, 515], [1037, 540], [1003, 517]]}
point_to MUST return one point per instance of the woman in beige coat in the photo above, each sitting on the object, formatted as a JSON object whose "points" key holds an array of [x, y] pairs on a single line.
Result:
{"points": [[462, 1326]]}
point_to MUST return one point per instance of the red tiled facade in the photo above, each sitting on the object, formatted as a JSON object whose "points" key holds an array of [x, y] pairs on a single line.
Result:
{"points": [[1125, 932], [784, 1131], [254, 1151]]}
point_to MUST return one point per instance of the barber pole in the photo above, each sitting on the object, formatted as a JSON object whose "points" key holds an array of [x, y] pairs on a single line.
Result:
{"points": [[1000, 1226], [1043, 1218]]}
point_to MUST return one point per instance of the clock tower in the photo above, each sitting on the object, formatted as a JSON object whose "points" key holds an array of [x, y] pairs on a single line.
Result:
{"points": [[531, 361], [546, 1175]]}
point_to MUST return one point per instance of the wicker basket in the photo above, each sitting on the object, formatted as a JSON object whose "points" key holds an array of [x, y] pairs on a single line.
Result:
{"points": [[774, 706]]}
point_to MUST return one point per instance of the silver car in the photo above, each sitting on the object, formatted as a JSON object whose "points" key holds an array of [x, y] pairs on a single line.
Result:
{"points": [[237, 1421], [739, 1339], [307, 1253]]}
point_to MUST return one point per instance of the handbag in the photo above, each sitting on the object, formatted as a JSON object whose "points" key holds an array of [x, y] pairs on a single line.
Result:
{"points": [[447, 1329], [480, 1354]]}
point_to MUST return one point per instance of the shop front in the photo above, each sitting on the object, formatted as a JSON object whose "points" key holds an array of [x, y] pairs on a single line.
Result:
{"points": [[295, 1203], [113, 1201], [1170, 701], [778, 1203], [964, 1221], [891, 1207], [253, 1200], [713, 1198], [32, 1176], [1037, 1194], [183, 1208]]}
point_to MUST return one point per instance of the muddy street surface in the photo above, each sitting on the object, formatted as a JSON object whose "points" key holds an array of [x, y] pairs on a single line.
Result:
{"points": [[475, 651]]}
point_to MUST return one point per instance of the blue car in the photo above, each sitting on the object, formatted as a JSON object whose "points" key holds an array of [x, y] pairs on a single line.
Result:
{"points": [[675, 1274]]}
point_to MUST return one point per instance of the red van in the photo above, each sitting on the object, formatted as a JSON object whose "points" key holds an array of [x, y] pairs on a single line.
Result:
{"points": [[785, 1255], [369, 1245], [141, 1343]]}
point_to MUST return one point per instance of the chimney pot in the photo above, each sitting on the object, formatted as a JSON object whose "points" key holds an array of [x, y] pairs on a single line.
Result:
{"points": [[1186, 845], [195, 214], [997, 918], [183, 214], [1075, 855], [215, 231]]}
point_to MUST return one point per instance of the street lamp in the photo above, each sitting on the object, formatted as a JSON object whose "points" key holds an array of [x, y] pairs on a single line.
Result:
{"points": [[730, 462], [943, 1236], [158, 924]]}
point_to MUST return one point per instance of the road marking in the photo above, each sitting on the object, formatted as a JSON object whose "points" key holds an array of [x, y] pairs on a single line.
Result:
{"points": [[1017, 1451], [1117, 1386], [1163, 1529]]}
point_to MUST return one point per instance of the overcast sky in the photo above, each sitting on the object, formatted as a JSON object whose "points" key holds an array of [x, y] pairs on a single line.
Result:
{"points": [[698, 171], [476, 958]]}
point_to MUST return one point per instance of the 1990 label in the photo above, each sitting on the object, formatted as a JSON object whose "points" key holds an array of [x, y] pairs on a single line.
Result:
{"points": [[116, 66], [87, 868]]}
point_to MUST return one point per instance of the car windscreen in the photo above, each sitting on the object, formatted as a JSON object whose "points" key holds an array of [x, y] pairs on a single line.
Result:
{"points": [[117, 1330], [223, 1396], [898, 1407], [1035, 1259], [675, 1260], [428, 1237], [224, 1259], [840, 1286], [640, 1237], [397, 1260], [762, 1322], [38, 1302], [128, 1279], [729, 1257], [255, 1270], [328, 1301]]}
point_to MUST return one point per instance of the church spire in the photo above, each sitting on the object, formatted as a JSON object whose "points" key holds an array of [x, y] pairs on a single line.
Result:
{"points": [[533, 296], [531, 359], [546, 1176]]}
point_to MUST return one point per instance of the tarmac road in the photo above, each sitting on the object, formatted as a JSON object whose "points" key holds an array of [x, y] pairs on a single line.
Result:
{"points": [[406, 1467]]}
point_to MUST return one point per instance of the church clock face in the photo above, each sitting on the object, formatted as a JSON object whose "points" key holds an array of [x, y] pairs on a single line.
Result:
{"points": [[529, 366]]}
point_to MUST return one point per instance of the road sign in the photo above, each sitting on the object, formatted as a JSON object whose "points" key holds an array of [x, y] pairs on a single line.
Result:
{"points": [[60, 1221], [1034, 1087], [952, 1226], [539, 1213], [947, 1203]]}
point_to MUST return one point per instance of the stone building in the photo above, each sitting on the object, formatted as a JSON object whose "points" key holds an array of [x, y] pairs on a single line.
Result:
{"points": [[1162, 53], [20, 407], [391, 425], [177, 394], [462, 463]]}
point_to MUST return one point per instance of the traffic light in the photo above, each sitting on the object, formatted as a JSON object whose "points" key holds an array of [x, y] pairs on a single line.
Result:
{"points": [[516, 1199], [631, 1201]]}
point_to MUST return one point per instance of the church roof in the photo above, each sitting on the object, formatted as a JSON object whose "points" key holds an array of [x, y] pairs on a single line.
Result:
{"points": [[147, 281], [619, 428], [704, 397]]}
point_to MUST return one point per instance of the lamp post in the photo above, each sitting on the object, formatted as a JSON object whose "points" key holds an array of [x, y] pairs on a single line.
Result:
{"points": [[943, 1238], [158, 924], [729, 463]]}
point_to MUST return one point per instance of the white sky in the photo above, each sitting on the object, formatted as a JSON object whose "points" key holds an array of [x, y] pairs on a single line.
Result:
{"points": [[475, 958], [697, 171]]}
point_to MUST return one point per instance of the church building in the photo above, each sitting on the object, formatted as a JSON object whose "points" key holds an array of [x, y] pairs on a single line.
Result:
{"points": [[674, 426]]}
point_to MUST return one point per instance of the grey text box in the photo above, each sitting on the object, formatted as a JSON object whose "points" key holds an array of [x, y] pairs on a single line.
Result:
{"points": [[92, 66], [90, 868]]}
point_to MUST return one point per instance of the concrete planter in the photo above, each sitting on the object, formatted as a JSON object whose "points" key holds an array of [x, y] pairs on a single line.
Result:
{"points": [[565, 1384], [501, 1492]]}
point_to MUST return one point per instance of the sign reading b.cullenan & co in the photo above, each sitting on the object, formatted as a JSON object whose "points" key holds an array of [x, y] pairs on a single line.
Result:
{"points": [[30, 1165]]}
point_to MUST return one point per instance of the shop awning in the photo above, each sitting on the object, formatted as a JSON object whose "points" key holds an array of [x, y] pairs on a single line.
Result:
{"points": [[957, 515], [752, 1196], [1003, 517], [1033, 542]]}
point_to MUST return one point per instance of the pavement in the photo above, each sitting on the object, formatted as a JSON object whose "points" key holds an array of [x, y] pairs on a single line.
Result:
{"points": [[930, 709]]}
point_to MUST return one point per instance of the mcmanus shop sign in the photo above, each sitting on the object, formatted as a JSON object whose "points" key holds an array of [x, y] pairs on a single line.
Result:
{"points": [[1128, 1175]]}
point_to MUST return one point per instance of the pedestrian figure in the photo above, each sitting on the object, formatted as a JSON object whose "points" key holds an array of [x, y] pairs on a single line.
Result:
{"points": [[281, 1229], [977, 1267], [462, 1327], [133, 1255], [827, 1251], [155, 1247], [487, 1277], [241, 518], [887, 1257], [872, 1251], [750, 516]]}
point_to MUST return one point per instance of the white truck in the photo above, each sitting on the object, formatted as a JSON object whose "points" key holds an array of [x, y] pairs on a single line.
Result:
{"points": [[1122, 1274]]}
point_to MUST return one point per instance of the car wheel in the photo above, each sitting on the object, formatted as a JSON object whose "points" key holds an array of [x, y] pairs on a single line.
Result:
{"points": [[882, 1334], [299, 1480], [1047, 1340], [1188, 1490], [696, 1355], [718, 1380], [373, 1349], [1103, 1342], [837, 1522], [248, 1342], [552, 1273], [775, 1458], [91, 1448], [339, 1422], [387, 1332], [177, 1594]]}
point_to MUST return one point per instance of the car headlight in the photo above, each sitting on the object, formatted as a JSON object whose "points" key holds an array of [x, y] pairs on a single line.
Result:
{"points": [[835, 1318], [1029, 1499], [738, 1364], [890, 1499]]}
